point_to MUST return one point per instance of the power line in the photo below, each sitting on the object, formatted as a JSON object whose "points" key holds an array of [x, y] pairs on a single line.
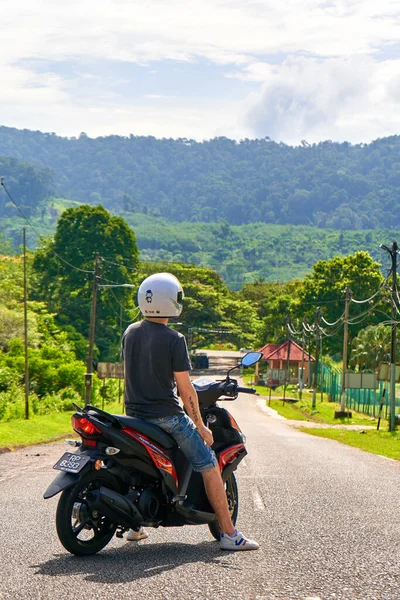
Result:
{"points": [[36, 233], [335, 322], [382, 285], [117, 264], [121, 305], [132, 320], [334, 333], [361, 317], [291, 330]]}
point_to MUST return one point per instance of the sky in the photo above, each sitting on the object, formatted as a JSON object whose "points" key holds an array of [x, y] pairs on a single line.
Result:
{"points": [[291, 70]]}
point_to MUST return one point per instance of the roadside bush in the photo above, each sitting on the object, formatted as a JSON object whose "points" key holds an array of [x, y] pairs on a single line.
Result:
{"points": [[12, 404], [71, 376], [8, 378]]}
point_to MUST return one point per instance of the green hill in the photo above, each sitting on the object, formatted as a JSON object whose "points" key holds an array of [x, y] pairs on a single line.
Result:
{"points": [[240, 253], [328, 185], [248, 209]]}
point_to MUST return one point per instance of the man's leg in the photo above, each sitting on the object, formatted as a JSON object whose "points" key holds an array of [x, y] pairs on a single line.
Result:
{"points": [[217, 497], [202, 457]]}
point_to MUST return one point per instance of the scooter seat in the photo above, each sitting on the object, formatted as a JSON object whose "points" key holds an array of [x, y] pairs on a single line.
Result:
{"points": [[152, 431]]}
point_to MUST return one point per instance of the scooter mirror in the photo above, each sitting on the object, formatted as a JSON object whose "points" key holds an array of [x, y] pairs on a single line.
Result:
{"points": [[251, 358]]}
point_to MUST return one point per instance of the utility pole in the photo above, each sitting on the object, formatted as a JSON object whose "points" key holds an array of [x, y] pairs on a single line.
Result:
{"points": [[303, 343], [287, 375], [89, 368], [26, 369], [317, 343], [93, 313], [121, 332], [321, 379], [305, 323], [343, 413], [393, 251]]}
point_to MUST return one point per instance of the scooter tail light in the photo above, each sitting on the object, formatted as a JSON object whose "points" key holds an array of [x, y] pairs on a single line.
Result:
{"points": [[229, 455], [160, 460], [84, 427], [86, 442]]}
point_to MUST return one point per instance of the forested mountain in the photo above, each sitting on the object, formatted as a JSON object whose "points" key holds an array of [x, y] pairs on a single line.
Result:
{"points": [[328, 185], [240, 253], [31, 185]]}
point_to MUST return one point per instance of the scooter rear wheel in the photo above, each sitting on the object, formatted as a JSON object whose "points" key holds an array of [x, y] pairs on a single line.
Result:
{"points": [[232, 496], [82, 531]]}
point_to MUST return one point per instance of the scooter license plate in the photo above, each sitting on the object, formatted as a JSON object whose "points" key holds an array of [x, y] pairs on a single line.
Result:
{"points": [[71, 463]]}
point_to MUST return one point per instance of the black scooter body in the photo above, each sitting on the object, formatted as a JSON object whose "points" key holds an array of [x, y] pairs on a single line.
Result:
{"points": [[193, 507], [156, 484]]}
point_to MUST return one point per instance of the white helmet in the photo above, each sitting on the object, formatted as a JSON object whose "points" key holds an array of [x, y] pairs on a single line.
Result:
{"points": [[160, 295]]}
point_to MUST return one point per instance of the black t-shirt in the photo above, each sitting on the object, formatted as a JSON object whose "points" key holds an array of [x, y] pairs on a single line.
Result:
{"points": [[151, 353]]}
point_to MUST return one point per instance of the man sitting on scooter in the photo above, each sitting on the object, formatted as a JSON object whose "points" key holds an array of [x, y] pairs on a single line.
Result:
{"points": [[156, 363]]}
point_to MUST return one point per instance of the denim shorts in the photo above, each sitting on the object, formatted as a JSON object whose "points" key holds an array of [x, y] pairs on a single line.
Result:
{"points": [[184, 432]]}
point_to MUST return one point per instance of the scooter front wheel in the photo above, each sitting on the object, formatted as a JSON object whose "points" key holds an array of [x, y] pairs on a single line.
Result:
{"points": [[232, 496], [83, 531]]}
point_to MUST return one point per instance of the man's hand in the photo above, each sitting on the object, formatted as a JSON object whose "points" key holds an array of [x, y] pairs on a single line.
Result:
{"points": [[206, 434], [190, 401]]}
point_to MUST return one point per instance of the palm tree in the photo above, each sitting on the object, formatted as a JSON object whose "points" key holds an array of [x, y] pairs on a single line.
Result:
{"points": [[370, 347]]}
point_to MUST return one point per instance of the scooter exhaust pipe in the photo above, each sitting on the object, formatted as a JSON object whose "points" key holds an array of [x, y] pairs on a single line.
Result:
{"points": [[115, 507]]}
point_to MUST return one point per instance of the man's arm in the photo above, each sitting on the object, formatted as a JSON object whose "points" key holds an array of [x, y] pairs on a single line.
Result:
{"points": [[190, 401]]}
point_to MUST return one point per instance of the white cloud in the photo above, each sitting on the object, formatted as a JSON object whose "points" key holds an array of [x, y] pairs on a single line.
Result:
{"points": [[226, 31], [340, 99], [317, 63]]}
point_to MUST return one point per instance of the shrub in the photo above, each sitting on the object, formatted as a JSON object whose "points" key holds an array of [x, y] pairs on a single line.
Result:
{"points": [[12, 404], [8, 377]]}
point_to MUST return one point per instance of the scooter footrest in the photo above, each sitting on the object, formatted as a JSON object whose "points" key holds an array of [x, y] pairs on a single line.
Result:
{"points": [[179, 498]]}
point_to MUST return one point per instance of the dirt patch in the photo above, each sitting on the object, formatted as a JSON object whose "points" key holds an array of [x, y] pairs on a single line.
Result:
{"points": [[5, 449]]}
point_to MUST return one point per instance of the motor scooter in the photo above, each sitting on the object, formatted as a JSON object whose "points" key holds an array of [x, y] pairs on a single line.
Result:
{"points": [[127, 473]]}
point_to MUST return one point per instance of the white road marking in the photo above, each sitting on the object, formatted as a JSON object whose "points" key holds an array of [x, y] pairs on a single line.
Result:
{"points": [[258, 501]]}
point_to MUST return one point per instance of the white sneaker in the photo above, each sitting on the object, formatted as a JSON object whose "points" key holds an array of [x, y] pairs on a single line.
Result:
{"points": [[237, 542], [135, 536]]}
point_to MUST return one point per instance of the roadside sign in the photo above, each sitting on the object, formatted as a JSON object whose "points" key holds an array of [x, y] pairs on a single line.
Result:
{"points": [[361, 381], [110, 370], [278, 375], [384, 372]]}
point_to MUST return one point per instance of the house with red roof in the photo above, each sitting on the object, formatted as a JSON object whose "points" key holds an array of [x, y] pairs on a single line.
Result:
{"points": [[284, 356]]}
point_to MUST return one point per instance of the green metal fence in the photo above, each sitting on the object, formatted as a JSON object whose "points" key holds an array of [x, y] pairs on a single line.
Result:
{"points": [[364, 401]]}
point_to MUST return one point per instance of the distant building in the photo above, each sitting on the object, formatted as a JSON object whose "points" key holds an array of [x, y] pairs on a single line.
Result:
{"points": [[277, 357]]}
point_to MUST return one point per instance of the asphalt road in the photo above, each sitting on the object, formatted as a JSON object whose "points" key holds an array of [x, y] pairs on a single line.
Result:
{"points": [[326, 516]]}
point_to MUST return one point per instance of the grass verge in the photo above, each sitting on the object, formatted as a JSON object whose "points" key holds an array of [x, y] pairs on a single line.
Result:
{"points": [[301, 410], [323, 413], [384, 443], [39, 429]]}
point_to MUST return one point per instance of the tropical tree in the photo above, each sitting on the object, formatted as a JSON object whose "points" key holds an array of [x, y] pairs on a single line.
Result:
{"points": [[274, 303], [370, 347], [65, 266], [325, 287]]}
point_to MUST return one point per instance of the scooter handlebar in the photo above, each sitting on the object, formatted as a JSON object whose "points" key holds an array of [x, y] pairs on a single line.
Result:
{"points": [[244, 390]]}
